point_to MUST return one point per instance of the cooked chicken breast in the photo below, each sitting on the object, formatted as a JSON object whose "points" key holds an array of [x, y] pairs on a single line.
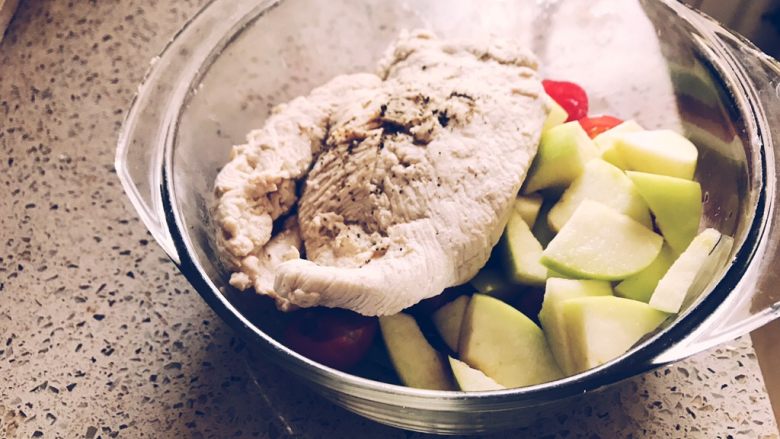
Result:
{"points": [[411, 176]]}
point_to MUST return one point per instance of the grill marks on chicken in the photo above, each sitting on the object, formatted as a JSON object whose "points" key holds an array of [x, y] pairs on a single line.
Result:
{"points": [[411, 175]]}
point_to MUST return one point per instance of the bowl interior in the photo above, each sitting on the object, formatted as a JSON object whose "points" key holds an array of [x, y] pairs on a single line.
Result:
{"points": [[636, 59]]}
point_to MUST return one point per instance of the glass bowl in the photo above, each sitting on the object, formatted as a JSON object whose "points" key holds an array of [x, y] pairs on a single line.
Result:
{"points": [[652, 60]]}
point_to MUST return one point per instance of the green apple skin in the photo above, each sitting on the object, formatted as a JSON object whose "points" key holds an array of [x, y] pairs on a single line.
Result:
{"points": [[601, 329], [692, 271], [556, 292], [676, 204], [505, 345], [599, 243], [470, 379], [521, 253], [556, 115], [562, 155], [605, 142], [491, 282], [641, 285], [662, 152], [605, 183], [416, 362], [528, 207], [448, 320]]}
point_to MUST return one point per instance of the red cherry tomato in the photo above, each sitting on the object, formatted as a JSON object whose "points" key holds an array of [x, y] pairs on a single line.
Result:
{"points": [[597, 125], [568, 95], [334, 337]]}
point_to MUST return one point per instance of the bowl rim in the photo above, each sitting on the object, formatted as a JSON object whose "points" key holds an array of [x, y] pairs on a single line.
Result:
{"points": [[637, 360]]}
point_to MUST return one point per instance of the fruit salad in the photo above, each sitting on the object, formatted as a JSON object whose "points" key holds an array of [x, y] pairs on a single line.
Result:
{"points": [[602, 247]]}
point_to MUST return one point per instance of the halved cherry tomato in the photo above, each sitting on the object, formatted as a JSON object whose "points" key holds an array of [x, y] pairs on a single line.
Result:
{"points": [[597, 125], [568, 95], [334, 337]]}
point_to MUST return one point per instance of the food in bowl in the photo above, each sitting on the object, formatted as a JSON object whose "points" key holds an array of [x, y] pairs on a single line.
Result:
{"points": [[375, 193]]}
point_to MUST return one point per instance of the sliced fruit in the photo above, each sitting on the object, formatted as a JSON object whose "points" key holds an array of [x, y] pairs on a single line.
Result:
{"points": [[491, 282], [556, 116], [448, 319], [562, 155], [601, 329], [605, 142], [415, 361], [541, 228], [570, 96], [470, 379], [692, 271], [522, 253], [602, 182], [599, 243], [551, 317], [599, 124], [662, 152], [641, 285], [676, 204], [505, 344], [528, 207]]}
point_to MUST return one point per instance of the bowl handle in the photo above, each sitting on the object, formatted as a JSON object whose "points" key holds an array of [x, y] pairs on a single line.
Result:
{"points": [[756, 299]]}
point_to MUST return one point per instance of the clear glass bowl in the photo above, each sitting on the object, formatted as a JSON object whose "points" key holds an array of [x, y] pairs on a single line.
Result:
{"points": [[653, 60]]}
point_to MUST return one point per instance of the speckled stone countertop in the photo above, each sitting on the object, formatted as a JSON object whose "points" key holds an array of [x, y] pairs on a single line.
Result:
{"points": [[101, 337]]}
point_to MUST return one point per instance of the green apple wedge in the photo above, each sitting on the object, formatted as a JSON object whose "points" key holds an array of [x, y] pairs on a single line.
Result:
{"points": [[605, 142], [641, 285], [491, 281], [416, 362], [505, 344], [692, 271], [605, 183], [521, 253], [562, 155], [528, 207], [541, 228], [603, 328], [556, 292], [599, 243], [470, 379], [662, 152], [556, 115], [448, 320], [676, 204]]}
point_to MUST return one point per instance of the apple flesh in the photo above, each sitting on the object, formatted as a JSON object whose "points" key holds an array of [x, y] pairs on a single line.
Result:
{"points": [[605, 183], [448, 319], [599, 243], [541, 228], [676, 204], [562, 155], [692, 271], [662, 152], [470, 379], [641, 285], [605, 142], [558, 291], [601, 329], [505, 344], [491, 282], [528, 207], [521, 253], [416, 362], [556, 115]]}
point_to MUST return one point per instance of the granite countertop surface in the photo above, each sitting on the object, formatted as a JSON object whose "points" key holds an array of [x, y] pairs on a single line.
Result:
{"points": [[101, 337]]}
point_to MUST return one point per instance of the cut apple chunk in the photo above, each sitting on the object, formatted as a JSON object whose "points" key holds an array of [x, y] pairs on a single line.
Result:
{"points": [[676, 204], [556, 115], [641, 285], [556, 292], [470, 379], [541, 228], [601, 329], [605, 183], [505, 344], [416, 362], [562, 155], [491, 282], [522, 253], [448, 319], [528, 207], [599, 243], [605, 142], [662, 152], [692, 271]]}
